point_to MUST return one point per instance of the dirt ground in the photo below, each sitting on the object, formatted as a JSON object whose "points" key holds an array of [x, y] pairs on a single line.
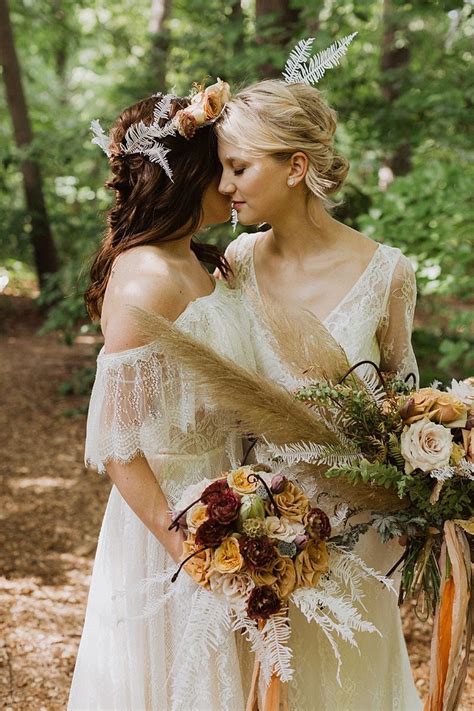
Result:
{"points": [[50, 511]]}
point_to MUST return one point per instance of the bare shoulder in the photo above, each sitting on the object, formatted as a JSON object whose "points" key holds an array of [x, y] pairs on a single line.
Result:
{"points": [[141, 278]]}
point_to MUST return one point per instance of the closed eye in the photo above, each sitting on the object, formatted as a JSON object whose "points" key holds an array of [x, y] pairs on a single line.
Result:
{"points": [[238, 171]]}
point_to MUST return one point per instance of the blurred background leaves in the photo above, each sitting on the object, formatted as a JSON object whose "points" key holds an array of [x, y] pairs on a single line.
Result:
{"points": [[403, 96]]}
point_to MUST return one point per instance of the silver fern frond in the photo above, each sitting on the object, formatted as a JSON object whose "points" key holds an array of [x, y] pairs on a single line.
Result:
{"points": [[298, 55], [158, 154], [314, 70], [100, 137], [312, 453]]}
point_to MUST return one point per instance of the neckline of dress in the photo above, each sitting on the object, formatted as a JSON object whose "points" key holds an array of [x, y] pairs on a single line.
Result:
{"points": [[150, 346], [339, 304]]}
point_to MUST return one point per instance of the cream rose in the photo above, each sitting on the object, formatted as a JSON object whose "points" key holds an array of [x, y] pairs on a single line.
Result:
{"points": [[227, 557], [235, 587], [282, 529], [239, 481], [426, 446]]}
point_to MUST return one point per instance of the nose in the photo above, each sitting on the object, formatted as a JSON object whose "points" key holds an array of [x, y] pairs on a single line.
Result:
{"points": [[226, 186]]}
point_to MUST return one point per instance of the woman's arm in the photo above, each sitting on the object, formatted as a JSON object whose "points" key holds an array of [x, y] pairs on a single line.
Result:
{"points": [[139, 488]]}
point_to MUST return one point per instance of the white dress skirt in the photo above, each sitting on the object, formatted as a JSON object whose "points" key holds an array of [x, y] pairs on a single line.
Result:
{"points": [[134, 654]]}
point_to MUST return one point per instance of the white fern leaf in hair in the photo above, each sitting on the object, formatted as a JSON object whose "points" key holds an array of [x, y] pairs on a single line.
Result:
{"points": [[162, 108], [137, 138], [298, 56], [157, 154], [100, 137], [314, 70]]}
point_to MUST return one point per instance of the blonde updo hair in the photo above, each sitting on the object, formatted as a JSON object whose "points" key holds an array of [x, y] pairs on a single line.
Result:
{"points": [[279, 119]]}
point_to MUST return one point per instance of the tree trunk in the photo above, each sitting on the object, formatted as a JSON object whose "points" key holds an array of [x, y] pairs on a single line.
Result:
{"points": [[160, 40], [274, 30], [393, 61], [45, 255], [237, 26]]}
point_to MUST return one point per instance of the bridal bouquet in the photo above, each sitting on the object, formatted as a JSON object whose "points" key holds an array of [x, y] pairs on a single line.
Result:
{"points": [[254, 539], [419, 443]]}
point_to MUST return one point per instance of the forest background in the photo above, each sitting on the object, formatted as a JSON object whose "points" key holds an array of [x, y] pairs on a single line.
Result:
{"points": [[403, 96], [404, 99]]}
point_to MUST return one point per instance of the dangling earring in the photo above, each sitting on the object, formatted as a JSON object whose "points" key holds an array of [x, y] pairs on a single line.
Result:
{"points": [[234, 219], [291, 182]]}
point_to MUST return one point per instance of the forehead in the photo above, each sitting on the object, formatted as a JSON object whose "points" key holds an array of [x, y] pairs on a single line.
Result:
{"points": [[230, 153]]}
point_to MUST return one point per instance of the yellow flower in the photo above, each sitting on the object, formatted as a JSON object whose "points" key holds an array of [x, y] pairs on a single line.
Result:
{"points": [[310, 563], [238, 480], [195, 516], [292, 503], [227, 558], [435, 405]]}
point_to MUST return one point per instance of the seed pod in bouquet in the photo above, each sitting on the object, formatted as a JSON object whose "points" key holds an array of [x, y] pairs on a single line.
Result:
{"points": [[317, 524]]}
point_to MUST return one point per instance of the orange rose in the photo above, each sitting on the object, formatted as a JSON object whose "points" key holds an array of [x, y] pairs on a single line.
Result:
{"points": [[442, 408]]}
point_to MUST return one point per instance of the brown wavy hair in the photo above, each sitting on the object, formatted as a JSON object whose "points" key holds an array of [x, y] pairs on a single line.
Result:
{"points": [[149, 207]]}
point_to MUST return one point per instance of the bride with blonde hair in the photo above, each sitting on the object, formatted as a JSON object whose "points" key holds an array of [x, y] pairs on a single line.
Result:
{"points": [[280, 168]]}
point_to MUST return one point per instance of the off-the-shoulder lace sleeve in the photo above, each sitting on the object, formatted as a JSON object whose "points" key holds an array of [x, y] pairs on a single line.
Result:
{"points": [[131, 407], [395, 329]]}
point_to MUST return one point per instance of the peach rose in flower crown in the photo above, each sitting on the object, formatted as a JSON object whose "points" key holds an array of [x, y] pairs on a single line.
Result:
{"points": [[425, 445]]}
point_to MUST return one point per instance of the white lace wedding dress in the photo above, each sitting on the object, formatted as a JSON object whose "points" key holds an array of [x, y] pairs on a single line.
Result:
{"points": [[372, 322], [130, 660]]}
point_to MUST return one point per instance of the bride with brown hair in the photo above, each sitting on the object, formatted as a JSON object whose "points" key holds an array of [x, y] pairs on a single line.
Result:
{"points": [[280, 168], [147, 427]]}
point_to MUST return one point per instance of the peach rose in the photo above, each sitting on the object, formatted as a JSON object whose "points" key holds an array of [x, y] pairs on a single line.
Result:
{"points": [[199, 566], [435, 405], [238, 480], [227, 557], [292, 503], [186, 123], [195, 516], [311, 563], [426, 446]]}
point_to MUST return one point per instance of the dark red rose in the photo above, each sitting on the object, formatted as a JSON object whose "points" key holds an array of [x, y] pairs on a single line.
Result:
{"points": [[211, 534], [257, 552], [317, 524], [263, 602], [225, 508], [214, 490]]}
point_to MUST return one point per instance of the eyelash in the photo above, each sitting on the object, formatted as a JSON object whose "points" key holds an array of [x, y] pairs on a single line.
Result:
{"points": [[239, 171]]}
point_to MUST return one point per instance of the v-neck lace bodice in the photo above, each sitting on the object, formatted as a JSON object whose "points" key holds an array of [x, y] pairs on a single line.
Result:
{"points": [[373, 321]]}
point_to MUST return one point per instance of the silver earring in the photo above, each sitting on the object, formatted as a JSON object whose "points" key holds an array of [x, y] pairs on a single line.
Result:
{"points": [[291, 182], [234, 219]]}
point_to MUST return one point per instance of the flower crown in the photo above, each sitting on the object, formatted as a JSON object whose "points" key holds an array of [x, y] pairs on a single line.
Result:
{"points": [[207, 104]]}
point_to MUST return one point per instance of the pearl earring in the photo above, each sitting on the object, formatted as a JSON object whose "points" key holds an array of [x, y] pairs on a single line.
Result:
{"points": [[290, 182]]}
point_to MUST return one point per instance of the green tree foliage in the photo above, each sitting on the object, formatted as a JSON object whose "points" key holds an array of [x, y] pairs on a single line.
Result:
{"points": [[82, 60]]}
